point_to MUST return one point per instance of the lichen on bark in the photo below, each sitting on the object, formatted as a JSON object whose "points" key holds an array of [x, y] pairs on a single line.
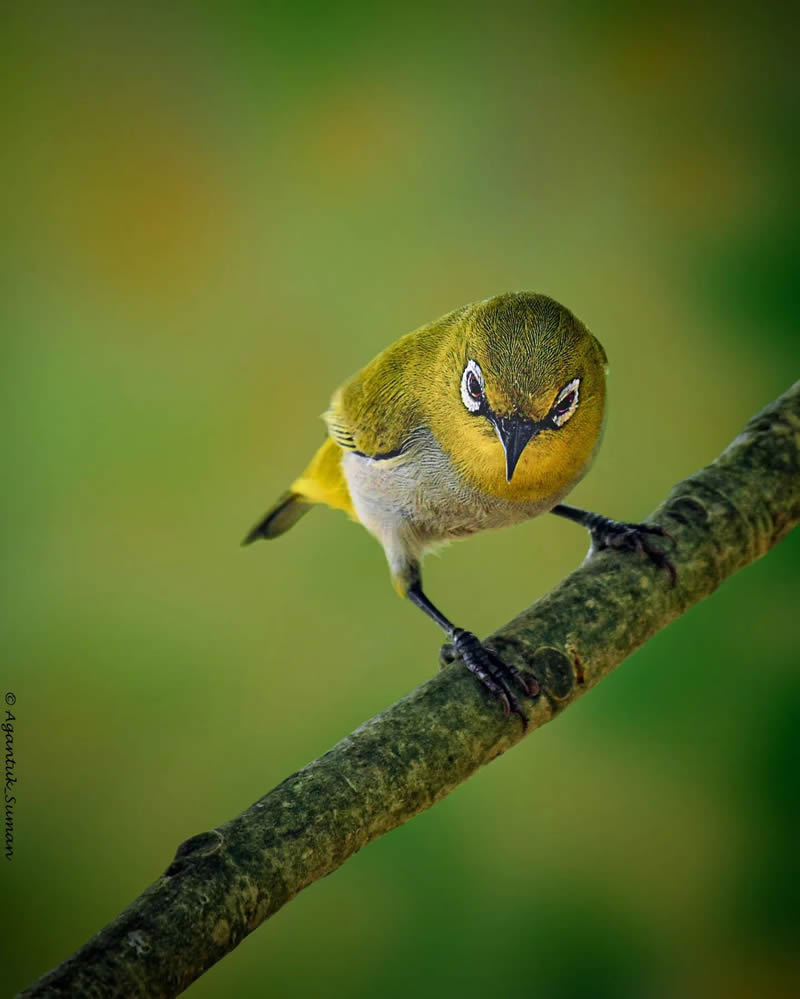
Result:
{"points": [[224, 883]]}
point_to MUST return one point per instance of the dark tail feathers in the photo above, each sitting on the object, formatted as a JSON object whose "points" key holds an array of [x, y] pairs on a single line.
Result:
{"points": [[286, 512]]}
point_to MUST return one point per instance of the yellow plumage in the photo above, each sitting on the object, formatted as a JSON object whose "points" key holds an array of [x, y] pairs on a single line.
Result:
{"points": [[324, 482], [482, 419]]}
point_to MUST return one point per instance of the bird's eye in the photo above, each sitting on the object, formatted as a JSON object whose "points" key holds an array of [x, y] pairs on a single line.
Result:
{"points": [[566, 403], [472, 386]]}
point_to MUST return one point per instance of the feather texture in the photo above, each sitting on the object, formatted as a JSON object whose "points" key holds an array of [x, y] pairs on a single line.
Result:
{"points": [[408, 458]]}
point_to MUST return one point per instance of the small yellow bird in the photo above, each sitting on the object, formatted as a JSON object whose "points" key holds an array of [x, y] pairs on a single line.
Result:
{"points": [[484, 418]]}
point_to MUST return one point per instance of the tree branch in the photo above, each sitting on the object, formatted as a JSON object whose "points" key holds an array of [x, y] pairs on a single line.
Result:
{"points": [[224, 883]]}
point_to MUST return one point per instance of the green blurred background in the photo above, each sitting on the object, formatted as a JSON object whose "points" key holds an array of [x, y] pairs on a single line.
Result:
{"points": [[211, 217]]}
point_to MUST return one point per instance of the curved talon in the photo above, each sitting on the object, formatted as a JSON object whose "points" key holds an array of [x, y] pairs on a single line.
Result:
{"points": [[619, 536], [532, 685], [527, 681], [495, 674], [658, 557], [654, 529]]}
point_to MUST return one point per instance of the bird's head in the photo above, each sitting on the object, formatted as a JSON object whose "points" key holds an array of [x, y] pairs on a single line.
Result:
{"points": [[525, 391]]}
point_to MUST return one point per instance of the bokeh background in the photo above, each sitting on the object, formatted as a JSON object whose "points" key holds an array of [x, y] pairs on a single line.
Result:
{"points": [[211, 217]]}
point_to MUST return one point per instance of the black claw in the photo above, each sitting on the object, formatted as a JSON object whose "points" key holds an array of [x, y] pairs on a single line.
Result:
{"points": [[655, 529], [527, 681], [619, 536], [657, 556], [495, 674]]}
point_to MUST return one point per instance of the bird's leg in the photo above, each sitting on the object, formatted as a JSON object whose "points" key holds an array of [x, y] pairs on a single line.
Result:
{"points": [[620, 536], [495, 674]]}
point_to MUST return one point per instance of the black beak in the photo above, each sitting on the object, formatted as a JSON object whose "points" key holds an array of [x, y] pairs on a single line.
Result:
{"points": [[514, 435]]}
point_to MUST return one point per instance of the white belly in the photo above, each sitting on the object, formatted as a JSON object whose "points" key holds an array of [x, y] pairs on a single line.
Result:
{"points": [[418, 500]]}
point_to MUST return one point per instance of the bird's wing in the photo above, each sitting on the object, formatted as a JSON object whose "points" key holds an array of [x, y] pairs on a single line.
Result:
{"points": [[339, 428], [374, 414]]}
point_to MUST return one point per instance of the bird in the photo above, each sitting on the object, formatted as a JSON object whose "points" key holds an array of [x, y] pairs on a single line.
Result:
{"points": [[485, 418]]}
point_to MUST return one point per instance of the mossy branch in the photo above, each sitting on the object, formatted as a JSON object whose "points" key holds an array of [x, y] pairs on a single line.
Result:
{"points": [[224, 883]]}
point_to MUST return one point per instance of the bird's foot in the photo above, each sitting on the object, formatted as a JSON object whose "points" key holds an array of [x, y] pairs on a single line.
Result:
{"points": [[493, 672], [619, 536]]}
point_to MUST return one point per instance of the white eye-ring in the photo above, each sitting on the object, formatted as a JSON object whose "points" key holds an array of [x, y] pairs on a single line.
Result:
{"points": [[472, 386], [566, 403]]}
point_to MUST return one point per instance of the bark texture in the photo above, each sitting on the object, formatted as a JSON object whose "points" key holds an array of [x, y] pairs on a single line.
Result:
{"points": [[224, 883]]}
